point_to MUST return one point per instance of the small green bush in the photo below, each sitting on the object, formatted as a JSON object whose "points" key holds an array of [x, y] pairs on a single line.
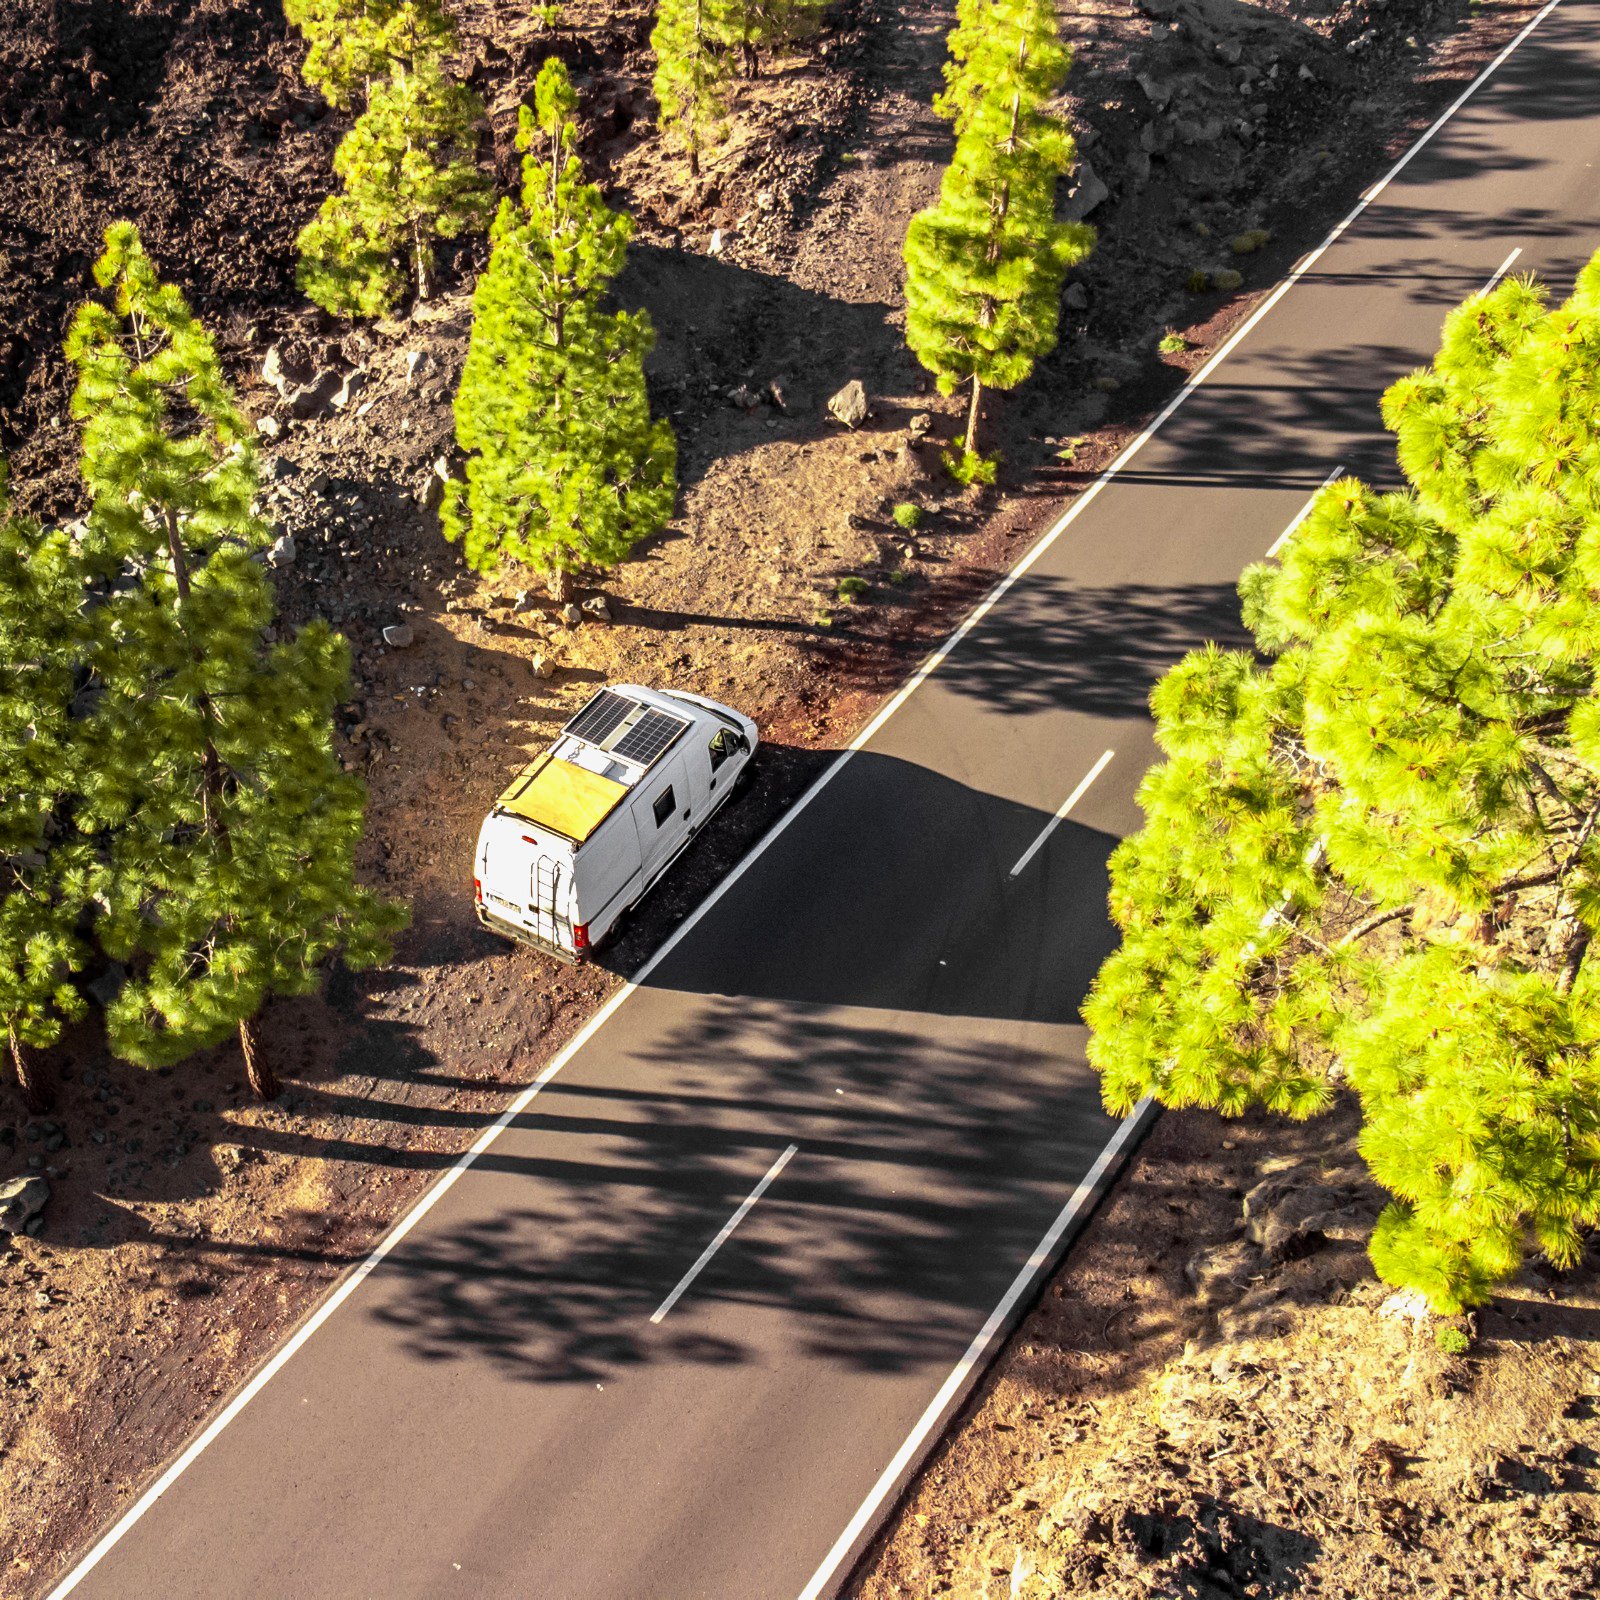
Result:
{"points": [[1226, 279], [1452, 1341], [1199, 281], [899, 576], [908, 515], [1247, 243], [969, 467], [1173, 344], [851, 589]]}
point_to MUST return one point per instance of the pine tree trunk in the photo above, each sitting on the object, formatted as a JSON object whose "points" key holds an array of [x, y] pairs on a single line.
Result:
{"points": [[694, 158], [31, 1081], [560, 583], [972, 414], [257, 1069]]}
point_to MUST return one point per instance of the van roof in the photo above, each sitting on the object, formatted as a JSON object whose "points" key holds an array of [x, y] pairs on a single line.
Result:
{"points": [[561, 797]]}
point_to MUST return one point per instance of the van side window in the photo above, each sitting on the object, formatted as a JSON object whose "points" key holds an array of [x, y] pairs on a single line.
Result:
{"points": [[664, 806], [723, 745]]}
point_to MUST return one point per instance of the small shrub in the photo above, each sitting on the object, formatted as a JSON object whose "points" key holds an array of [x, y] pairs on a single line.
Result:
{"points": [[851, 589], [1452, 1341], [968, 467], [899, 576], [1226, 279], [1247, 243], [546, 17], [1173, 344], [908, 515], [1199, 281], [1203, 230]]}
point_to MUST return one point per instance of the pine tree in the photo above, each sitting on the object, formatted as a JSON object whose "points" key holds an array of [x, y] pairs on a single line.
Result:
{"points": [[41, 868], [985, 264], [751, 26], [226, 826], [351, 44], [409, 178], [692, 70], [564, 464], [1375, 860]]}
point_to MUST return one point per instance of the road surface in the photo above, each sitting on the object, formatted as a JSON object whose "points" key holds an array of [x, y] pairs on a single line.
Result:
{"points": [[664, 1337]]}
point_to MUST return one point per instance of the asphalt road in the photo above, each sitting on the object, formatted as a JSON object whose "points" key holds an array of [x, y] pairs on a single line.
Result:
{"points": [[500, 1408]]}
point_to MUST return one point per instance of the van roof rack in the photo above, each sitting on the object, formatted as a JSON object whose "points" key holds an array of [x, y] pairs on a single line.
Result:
{"points": [[627, 728]]}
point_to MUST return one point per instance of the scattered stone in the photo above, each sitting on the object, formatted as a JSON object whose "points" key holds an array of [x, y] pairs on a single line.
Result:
{"points": [[1088, 191], [430, 495], [717, 244], [416, 361], [571, 615], [744, 398], [282, 551], [22, 1202], [597, 608], [541, 668], [268, 427], [850, 405], [313, 399], [919, 425], [778, 394], [348, 389], [524, 601], [1076, 297], [273, 373], [399, 635]]}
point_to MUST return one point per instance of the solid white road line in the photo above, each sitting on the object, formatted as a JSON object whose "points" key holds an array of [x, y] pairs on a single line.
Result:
{"points": [[1301, 515], [1505, 267], [1061, 815], [722, 1238], [975, 1352], [404, 1226]]}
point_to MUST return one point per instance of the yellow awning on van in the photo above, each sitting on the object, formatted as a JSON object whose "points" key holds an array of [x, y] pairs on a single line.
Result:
{"points": [[568, 800]]}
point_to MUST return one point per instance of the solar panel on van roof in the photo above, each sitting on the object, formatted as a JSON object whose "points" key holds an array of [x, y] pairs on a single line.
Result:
{"points": [[623, 727], [601, 717], [648, 737]]}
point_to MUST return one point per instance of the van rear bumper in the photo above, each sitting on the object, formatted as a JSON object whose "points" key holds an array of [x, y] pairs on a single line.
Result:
{"points": [[526, 936]]}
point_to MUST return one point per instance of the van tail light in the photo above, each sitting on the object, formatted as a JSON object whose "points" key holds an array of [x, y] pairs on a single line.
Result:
{"points": [[580, 936], [477, 890]]}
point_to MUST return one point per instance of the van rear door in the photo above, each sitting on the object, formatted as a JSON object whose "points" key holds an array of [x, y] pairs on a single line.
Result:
{"points": [[550, 899]]}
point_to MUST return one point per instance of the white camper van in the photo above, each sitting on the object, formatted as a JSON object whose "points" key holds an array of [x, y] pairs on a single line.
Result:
{"points": [[581, 835]]}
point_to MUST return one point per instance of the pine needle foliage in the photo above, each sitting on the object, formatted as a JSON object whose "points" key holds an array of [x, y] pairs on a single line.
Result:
{"points": [[985, 263], [754, 26], [226, 828], [352, 44], [409, 178], [1374, 861], [42, 878], [564, 465], [692, 71]]}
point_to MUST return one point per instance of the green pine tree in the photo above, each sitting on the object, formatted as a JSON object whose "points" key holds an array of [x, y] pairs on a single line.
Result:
{"points": [[754, 26], [351, 44], [1374, 861], [692, 71], [564, 464], [42, 882], [409, 178], [227, 827], [985, 264]]}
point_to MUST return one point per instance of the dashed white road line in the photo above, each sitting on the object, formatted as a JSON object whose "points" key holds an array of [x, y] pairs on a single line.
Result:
{"points": [[1505, 267], [722, 1238], [1061, 814], [1301, 515]]}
